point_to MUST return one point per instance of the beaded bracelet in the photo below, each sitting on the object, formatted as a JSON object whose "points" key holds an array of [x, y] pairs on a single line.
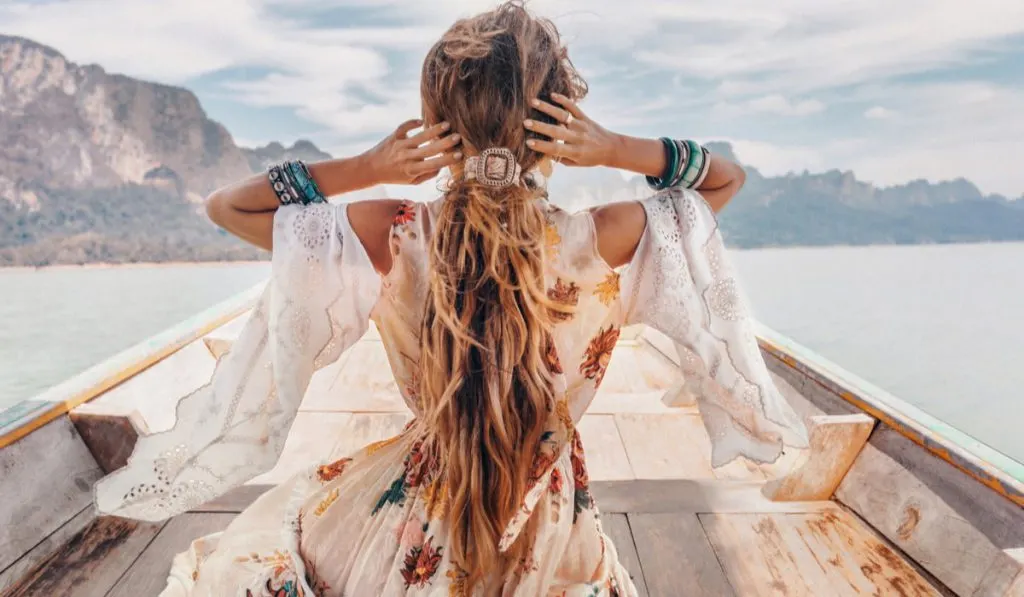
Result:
{"points": [[281, 185], [293, 183], [302, 178]]}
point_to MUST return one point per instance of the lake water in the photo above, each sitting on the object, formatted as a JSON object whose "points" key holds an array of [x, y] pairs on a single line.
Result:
{"points": [[942, 327], [57, 322]]}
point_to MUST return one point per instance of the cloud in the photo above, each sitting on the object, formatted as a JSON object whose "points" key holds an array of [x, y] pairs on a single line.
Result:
{"points": [[764, 74], [770, 104], [805, 45], [776, 104], [773, 159], [878, 113], [946, 130]]}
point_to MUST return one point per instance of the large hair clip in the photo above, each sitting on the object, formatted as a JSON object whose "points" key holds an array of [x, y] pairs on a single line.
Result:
{"points": [[495, 167]]}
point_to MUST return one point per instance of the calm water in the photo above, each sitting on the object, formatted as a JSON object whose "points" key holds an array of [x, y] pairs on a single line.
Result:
{"points": [[57, 322], [941, 327]]}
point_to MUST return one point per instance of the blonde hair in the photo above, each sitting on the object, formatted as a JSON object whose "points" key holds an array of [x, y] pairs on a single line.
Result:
{"points": [[485, 385]]}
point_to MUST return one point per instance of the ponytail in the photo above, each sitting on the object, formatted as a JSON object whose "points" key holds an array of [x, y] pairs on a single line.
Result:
{"points": [[485, 385]]}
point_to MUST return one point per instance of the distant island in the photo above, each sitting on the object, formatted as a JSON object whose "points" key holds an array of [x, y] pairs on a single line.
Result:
{"points": [[99, 167]]}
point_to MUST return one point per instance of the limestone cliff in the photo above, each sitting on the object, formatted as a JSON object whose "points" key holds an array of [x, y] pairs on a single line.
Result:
{"points": [[68, 126]]}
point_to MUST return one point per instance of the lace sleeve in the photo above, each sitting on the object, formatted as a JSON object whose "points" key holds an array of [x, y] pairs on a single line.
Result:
{"points": [[316, 305], [682, 284]]}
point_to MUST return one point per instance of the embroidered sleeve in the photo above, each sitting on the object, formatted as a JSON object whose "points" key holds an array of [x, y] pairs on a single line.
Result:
{"points": [[316, 305], [682, 284]]}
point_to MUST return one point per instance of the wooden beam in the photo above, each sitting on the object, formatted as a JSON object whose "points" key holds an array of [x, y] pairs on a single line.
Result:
{"points": [[1005, 577], [1016, 588], [808, 397], [977, 460], [679, 397], [236, 500], [835, 442], [951, 524], [218, 346], [692, 496], [46, 480], [110, 436], [641, 496]]}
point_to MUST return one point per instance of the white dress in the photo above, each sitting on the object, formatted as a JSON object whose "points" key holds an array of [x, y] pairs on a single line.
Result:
{"points": [[375, 523]]}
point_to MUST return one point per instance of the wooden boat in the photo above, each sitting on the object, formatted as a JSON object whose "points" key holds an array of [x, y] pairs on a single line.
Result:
{"points": [[890, 502]]}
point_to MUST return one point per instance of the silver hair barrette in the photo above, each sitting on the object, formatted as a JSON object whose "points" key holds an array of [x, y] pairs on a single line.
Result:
{"points": [[495, 167]]}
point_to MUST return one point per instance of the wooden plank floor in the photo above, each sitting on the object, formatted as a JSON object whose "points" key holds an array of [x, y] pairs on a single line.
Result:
{"points": [[680, 528], [627, 431], [821, 552]]}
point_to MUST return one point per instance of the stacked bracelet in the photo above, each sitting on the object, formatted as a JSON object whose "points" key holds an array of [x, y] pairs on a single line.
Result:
{"points": [[292, 183], [686, 165]]}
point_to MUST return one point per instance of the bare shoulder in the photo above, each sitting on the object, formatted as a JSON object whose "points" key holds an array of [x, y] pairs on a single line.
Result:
{"points": [[620, 226], [372, 221]]}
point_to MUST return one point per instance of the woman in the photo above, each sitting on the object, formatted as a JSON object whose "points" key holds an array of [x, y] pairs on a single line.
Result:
{"points": [[499, 313]]}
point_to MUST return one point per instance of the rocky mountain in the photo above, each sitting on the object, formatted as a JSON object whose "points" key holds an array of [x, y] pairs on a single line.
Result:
{"points": [[834, 208], [828, 208], [67, 126], [101, 167]]}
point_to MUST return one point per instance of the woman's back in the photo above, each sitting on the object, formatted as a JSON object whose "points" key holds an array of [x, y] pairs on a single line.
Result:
{"points": [[576, 276]]}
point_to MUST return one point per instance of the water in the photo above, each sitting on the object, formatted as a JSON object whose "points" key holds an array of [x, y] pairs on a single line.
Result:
{"points": [[939, 326], [57, 322]]}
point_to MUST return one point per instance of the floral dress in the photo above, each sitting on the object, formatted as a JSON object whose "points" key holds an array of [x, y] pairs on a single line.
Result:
{"points": [[376, 522]]}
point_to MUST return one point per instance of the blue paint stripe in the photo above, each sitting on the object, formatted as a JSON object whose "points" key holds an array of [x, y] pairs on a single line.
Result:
{"points": [[18, 414]]}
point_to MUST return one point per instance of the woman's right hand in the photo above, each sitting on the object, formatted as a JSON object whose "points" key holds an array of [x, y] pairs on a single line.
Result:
{"points": [[400, 159]]}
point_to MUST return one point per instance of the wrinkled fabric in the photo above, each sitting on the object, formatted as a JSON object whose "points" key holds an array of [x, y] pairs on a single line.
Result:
{"points": [[317, 304], [682, 283], [374, 523]]}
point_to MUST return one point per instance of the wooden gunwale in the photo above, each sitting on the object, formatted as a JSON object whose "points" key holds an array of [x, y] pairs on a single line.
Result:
{"points": [[93, 382], [993, 469]]}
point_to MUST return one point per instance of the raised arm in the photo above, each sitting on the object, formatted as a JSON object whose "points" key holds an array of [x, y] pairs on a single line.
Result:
{"points": [[579, 141], [246, 208], [683, 284], [647, 156]]}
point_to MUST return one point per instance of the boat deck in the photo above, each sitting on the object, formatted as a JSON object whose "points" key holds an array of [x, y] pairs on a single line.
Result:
{"points": [[669, 549], [681, 528]]}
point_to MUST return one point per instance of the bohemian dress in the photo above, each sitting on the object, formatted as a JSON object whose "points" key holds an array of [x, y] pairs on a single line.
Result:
{"points": [[374, 524]]}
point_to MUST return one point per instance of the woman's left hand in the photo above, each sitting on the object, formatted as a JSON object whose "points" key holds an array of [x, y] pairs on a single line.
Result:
{"points": [[576, 140]]}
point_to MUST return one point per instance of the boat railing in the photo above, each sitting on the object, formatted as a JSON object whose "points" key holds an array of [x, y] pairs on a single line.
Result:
{"points": [[29, 415], [991, 467]]}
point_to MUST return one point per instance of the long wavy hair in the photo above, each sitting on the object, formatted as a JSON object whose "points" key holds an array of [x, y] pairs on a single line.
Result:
{"points": [[486, 389]]}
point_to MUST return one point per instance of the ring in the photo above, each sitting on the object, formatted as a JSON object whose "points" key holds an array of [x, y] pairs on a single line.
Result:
{"points": [[568, 120]]}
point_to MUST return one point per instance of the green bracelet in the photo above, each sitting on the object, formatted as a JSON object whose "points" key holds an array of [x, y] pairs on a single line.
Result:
{"points": [[671, 165]]}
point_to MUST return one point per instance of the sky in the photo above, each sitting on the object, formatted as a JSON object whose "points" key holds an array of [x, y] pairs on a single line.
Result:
{"points": [[893, 90]]}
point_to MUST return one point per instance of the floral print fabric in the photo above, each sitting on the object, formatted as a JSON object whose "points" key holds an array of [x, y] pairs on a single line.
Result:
{"points": [[375, 522]]}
